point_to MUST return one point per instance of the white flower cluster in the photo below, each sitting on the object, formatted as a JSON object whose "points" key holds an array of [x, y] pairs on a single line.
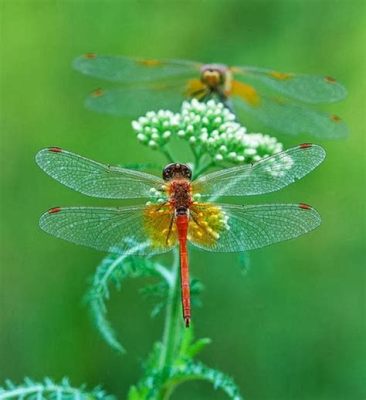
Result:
{"points": [[199, 122], [155, 129], [157, 196], [225, 221], [211, 128]]}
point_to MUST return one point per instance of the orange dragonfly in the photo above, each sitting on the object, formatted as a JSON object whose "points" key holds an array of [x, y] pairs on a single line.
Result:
{"points": [[180, 209], [281, 101]]}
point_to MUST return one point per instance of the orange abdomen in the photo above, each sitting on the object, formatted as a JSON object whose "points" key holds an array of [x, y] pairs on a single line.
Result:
{"points": [[182, 228]]}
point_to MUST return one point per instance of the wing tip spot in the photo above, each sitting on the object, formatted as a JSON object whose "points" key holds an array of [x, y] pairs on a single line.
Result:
{"points": [[305, 145], [97, 92], [330, 79], [55, 149], [305, 206], [335, 118], [54, 210], [90, 56]]}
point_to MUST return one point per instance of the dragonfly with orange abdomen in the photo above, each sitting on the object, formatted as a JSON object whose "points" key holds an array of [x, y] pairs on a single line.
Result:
{"points": [[180, 209], [281, 101]]}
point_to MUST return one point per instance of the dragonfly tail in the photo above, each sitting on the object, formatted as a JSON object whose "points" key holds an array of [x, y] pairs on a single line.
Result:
{"points": [[182, 227]]}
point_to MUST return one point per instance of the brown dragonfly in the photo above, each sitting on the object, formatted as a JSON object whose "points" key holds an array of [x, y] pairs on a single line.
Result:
{"points": [[278, 100]]}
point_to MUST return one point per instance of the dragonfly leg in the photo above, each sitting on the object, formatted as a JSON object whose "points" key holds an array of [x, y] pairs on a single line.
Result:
{"points": [[198, 224], [207, 95], [228, 104], [161, 206], [199, 94], [170, 228]]}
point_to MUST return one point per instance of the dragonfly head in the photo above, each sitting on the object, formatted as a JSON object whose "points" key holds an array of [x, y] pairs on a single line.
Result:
{"points": [[213, 75], [175, 170]]}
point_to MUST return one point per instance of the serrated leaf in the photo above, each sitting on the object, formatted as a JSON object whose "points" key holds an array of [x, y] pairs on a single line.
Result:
{"points": [[197, 347], [49, 390], [185, 342], [114, 269], [133, 394], [198, 371], [159, 293], [157, 309], [190, 348]]}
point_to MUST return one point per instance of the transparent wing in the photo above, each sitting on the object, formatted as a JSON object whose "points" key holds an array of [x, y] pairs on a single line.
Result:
{"points": [[284, 117], [254, 226], [302, 87], [132, 70], [137, 101], [268, 175], [95, 179], [116, 230]]}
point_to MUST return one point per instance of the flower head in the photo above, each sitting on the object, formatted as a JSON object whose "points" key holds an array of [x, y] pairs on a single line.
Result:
{"points": [[210, 128], [155, 128]]}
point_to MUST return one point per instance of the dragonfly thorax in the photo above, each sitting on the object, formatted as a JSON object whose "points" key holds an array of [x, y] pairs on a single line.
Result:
{"points": [[180, 195]]}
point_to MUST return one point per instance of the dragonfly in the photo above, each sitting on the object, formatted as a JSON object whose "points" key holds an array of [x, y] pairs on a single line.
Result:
{"points": [[280, 101], [176, 209]]}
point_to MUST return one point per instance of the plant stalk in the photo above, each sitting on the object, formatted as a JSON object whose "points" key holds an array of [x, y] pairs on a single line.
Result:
{"points": [[172, 317]]}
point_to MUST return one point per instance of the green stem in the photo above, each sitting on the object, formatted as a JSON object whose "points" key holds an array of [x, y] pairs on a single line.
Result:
{"points": [[195, 154], [172, 329], [172, 317], [168, 155], [202, 168]]}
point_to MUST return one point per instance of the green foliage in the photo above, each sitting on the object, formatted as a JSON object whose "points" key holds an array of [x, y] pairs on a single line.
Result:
{"points": [[159, 383], [50, 390], [213, 129], [159, 294], [172, 361], [198, 371], [113, 270]]}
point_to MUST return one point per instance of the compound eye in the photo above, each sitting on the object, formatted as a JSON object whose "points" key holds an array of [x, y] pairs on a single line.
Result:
{"points": [[188, 172], [167, 172]]}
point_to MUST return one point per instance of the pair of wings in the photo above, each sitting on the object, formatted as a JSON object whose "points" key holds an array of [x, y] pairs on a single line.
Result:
{"points": [[279, 100], [123, 229]]}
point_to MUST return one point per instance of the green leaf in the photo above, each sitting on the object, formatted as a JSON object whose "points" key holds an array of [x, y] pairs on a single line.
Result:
{"points": [[196, 289], [186, 339], [197, 371], [137, 393], [159, 292], [190, 348], [113, 270], [152, 362], [49, 390], [197, 347], [133, 394], [159, 381]]}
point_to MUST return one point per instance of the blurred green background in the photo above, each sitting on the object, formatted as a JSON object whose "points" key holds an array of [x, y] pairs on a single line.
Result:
{"points": [[293, 326]]}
